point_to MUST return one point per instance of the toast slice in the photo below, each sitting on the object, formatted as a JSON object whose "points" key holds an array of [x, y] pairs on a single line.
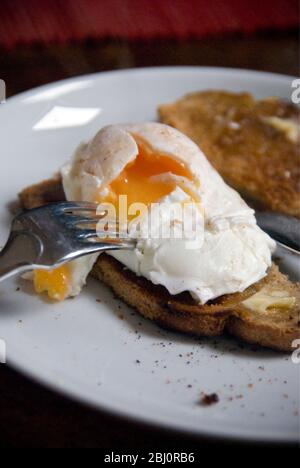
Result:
{"points": [[253, 144], [267, 313]]}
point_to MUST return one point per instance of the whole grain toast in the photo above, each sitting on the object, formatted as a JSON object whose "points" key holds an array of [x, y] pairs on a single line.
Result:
{"points": [[253, 144], [266, 318]]}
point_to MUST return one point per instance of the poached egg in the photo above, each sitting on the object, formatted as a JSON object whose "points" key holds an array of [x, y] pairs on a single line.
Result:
{"points": [[153, 163]]}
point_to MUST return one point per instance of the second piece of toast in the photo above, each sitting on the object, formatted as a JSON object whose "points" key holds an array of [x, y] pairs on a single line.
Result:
{"points": [[253, 144]]}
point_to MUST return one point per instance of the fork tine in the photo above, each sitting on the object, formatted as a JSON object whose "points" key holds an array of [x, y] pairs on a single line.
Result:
{"points": [[86, 233], [110, 236], [96, 247], [77, 206], [77, 220], [110, 243]]}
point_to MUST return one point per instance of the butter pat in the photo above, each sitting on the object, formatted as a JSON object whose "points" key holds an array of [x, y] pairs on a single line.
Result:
{"points": [[288, 126], [265, 299]]}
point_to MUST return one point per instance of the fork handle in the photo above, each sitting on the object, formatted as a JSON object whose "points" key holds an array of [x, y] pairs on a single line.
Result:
{"points": [[19, 254]]}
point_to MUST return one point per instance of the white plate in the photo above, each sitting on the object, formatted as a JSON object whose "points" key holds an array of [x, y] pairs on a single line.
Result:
{"points": [[81, 347]]}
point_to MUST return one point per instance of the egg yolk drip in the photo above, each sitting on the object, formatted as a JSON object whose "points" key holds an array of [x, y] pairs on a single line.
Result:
{"points": [[138, 183], [55, 282]]}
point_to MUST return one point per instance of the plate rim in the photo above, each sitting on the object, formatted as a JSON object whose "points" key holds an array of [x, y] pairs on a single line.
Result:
{"points": [[153, 69]]}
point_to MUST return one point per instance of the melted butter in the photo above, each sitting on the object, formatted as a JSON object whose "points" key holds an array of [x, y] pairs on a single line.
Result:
{"points": [[289, 127], [264, 300]]}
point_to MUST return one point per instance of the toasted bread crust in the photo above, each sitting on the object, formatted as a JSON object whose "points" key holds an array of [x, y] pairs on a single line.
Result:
{"points": [[212, 319], [181, 312], [48, 191], [263, 334], [236, 135]]}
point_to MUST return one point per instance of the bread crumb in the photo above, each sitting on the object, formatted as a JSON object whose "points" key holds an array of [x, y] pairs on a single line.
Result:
{"points": [[209, 399]]}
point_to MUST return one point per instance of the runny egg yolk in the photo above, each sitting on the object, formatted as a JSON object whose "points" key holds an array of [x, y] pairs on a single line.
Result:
{"points": [[55, 282], [136, 181]]}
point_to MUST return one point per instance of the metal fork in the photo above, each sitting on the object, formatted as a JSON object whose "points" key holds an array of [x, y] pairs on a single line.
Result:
{"points": [[47, 237]]}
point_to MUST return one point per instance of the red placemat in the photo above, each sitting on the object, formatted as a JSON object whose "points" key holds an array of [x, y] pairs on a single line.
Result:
{"points": [[46, 21]]}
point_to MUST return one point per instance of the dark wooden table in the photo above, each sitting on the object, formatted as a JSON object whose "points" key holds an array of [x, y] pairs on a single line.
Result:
{"points": [[30, 415]]}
